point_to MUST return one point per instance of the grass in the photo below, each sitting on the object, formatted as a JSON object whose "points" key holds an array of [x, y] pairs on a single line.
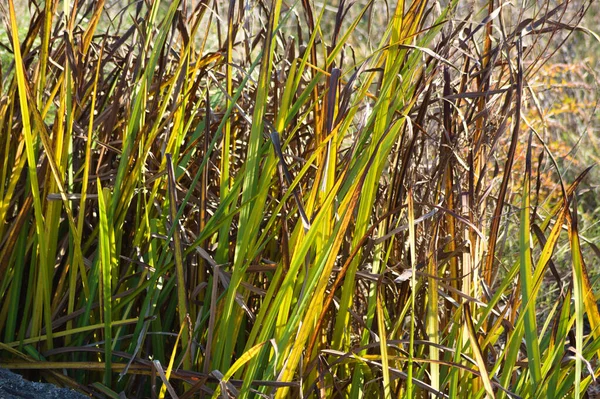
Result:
{"points": [[296, 200]]}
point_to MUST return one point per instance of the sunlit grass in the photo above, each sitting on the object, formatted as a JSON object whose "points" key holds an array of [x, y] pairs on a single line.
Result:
{"points": [[292, 200]]}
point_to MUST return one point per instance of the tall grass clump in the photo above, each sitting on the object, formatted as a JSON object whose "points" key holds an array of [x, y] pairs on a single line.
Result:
{"points": [[271, 199]]}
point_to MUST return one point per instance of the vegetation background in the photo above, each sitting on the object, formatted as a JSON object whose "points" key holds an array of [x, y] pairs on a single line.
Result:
{"points": [[301, 199]]}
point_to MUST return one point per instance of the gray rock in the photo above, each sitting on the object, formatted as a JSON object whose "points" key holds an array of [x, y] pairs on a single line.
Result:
{"points": [[13, 386]]}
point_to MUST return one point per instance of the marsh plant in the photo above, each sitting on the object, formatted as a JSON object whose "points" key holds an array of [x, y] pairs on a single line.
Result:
{"points": [[291, 199]]}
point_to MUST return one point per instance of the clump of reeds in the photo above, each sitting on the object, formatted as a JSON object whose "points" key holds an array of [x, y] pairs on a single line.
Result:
{"points": [[290, 200]]}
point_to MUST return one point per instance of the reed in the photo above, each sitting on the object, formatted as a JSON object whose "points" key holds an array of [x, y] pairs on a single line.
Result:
{"points": [[291, 200]]}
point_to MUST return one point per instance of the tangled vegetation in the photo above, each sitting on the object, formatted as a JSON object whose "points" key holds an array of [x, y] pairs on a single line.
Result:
{"points": [[293, 199]]}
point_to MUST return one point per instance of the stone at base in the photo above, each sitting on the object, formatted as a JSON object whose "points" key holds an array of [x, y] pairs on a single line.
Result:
{"points": [[13, 386]]}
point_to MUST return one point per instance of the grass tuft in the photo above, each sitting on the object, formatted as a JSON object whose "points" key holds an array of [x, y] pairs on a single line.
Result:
{"points": [[348, 199]]}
